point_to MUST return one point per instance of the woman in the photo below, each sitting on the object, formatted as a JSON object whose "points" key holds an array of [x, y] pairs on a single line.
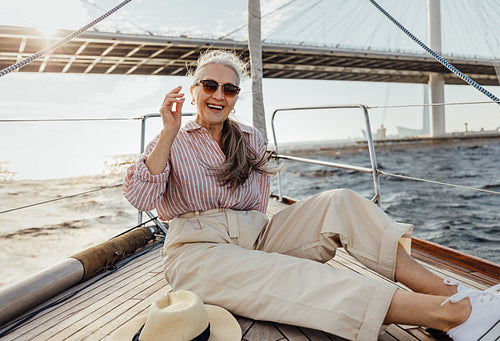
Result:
{"points": [[210, 180]]}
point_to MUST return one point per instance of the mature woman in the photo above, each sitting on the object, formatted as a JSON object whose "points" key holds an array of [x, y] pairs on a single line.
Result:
{"points": [[209, 180]]}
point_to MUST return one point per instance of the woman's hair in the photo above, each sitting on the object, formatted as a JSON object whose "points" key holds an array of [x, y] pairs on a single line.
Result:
{"points": [[241, 159], [226, 58]]}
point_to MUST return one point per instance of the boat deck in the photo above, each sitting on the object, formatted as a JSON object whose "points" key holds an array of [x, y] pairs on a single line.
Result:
{"points": [[104, 305]]}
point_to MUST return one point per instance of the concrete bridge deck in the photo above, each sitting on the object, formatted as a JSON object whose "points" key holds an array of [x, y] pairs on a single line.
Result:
{"points": [[117, 53]]}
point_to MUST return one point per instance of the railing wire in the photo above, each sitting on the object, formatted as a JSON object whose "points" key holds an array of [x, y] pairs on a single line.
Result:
{"points": [[61, 198], [437, 182], [70, 119], [428, 105]]}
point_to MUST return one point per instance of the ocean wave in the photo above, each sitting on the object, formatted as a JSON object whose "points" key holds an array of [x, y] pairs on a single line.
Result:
{"points": [[322, 173], [46, 229], [491, 186]]}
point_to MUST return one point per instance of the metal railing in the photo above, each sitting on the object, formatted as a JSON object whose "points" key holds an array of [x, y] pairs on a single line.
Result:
{"points": [[371, 148], [143, 146]]}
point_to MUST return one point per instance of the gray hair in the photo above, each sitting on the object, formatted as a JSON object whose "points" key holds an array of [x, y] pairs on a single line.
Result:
{"points": [[226, 58]]}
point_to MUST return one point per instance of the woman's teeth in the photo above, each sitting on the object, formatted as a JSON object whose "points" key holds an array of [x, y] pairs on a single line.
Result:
{"points": [[214, 106]]}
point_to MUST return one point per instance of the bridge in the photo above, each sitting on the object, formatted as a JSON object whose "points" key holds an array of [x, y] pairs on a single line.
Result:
{"points": [[133, 54]]}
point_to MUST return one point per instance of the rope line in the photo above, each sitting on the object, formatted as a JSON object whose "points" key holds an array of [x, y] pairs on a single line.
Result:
{"points": [[61, 42], [57, 199], [438, 57], [437, 182], [133, 228], [425, 105], [120, 17], [72, 119], [265, 15]]}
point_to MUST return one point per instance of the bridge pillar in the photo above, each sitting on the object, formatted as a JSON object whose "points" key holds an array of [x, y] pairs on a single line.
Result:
{"points": [[436, 95], [436, 80]]}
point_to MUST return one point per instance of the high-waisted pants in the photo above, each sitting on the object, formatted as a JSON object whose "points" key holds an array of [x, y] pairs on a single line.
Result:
{"points": [[274, 269]]}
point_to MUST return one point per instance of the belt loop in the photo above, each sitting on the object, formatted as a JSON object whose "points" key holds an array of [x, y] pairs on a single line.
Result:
{"points": [[232, 224]]}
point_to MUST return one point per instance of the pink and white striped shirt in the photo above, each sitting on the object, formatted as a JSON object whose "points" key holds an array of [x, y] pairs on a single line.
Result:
{"points": [[187, 184]]}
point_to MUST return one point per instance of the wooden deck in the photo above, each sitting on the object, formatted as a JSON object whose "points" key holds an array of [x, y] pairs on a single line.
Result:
{"points": [[98, 309]]}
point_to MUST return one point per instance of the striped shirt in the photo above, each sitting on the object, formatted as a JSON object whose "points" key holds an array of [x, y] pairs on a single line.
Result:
{"points": [[188, 184]]}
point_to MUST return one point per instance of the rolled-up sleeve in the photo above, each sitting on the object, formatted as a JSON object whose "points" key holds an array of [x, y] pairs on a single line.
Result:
{"points": [[142, 189]]}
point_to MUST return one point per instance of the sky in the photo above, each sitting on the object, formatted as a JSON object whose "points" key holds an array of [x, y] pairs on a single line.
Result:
{"points": [[46, 150]]}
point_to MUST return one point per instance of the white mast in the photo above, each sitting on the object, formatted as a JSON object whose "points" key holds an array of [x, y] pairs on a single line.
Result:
{"points": [[255, 48]]}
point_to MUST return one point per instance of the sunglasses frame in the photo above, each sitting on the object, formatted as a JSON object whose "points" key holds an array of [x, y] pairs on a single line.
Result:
{"points": [[224, 91]]}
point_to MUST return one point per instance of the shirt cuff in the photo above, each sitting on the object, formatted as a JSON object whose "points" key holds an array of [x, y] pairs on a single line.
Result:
{"points": [[143, 173]]}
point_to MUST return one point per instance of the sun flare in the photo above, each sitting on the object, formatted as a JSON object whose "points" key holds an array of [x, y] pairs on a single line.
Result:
{"points": [[46, 16]]}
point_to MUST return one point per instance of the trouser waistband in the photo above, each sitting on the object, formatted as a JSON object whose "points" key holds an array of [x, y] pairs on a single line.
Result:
{"points": [[198, 213]]}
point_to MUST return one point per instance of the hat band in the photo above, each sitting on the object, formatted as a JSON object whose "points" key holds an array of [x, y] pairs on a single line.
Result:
{"points": [[204, 336]]}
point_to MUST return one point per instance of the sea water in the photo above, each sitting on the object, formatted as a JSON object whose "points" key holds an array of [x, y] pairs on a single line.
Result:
{"points": [[462, 219]]}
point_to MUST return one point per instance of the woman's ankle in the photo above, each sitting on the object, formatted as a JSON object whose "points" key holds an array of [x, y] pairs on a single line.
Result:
{"points": [[457, 313]]}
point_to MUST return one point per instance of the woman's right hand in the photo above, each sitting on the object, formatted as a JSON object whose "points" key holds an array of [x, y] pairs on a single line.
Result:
{"points": [[171, 117]]}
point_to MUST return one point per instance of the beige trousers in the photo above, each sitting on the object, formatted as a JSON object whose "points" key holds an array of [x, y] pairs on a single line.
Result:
{"points": [[273, 270]]}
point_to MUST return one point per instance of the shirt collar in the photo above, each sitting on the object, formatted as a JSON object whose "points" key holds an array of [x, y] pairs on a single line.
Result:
{"points": [[192, 126]]}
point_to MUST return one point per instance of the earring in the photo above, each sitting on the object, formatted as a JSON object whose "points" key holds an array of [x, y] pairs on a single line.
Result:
{"points": [[193, 102], [233, 111]]}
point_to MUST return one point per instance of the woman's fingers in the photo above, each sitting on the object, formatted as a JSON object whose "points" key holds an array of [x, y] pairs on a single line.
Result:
{"points": [[171, 114], [174, 96], [178, 107]]}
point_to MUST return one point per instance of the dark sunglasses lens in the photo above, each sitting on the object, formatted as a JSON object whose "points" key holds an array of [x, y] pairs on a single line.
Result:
{"points": [[210, 86], [230, 90]]}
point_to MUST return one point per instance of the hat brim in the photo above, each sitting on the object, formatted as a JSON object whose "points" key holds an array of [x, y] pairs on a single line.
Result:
{"points": [[223, 326]]}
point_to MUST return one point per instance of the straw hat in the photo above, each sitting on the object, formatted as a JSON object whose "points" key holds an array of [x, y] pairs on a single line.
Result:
{"points": [[181, 316]]}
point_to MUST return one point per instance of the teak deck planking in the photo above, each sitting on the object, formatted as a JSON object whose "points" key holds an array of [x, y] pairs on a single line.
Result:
{"points": [[105, 305]]}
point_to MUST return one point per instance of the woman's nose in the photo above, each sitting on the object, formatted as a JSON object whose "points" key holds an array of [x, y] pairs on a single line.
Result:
{"points": [[219, 93]]}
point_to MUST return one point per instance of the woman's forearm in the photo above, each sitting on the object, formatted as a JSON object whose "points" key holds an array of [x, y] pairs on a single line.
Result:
{"points": [[157, 160]]}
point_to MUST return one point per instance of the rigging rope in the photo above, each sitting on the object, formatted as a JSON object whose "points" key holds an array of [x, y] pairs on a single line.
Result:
{"points": [[61, 42], [438, 57], [265, 15], [91, 3], [425, 105], [71, 119], [61, 198], [436, 182]]}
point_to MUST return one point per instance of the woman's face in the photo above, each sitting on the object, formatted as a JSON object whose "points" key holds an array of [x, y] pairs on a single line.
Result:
{"points": [[213, 109]]}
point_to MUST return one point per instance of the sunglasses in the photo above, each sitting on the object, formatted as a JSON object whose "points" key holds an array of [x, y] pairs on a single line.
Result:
{"points": [[211, 86]]}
